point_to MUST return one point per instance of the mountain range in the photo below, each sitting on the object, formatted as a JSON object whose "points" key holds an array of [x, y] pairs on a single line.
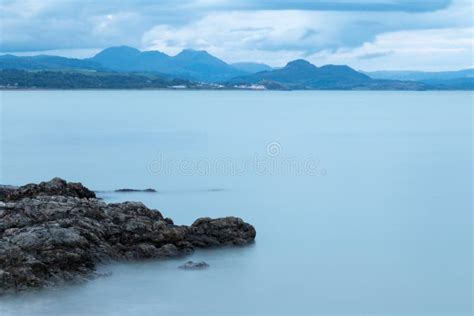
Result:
{"points": [[301, 74], [201, 69], [189, 64]]}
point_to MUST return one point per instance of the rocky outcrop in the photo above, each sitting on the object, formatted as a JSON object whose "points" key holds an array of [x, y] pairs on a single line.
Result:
{"points": [[207, 232], [6, 190], [56, 186], [47, 239]]}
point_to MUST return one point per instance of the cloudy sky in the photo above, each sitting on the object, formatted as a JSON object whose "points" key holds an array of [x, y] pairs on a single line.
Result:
{"points": [[365, 34]]}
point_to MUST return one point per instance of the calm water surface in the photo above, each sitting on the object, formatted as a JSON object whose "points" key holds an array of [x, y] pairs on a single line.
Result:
{"points": [[362, 201]]}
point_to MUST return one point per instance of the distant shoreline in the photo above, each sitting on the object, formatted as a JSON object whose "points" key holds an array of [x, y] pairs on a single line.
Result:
{"points": [[36, 73]]}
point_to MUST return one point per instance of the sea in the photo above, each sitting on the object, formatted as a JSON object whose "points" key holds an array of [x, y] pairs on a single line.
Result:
{"points": [[362, 200]]}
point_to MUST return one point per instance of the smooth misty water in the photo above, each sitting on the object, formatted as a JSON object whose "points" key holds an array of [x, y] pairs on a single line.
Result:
{"points": [[362, 201]]}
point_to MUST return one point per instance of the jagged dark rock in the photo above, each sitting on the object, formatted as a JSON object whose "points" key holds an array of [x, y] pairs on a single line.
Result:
{"points": [[48, 239], [206, 232], [6, 190], [191, 265], [56, 186]]}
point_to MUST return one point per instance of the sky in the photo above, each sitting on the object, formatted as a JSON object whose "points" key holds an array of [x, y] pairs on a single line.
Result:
{"points": [[430, 35]]}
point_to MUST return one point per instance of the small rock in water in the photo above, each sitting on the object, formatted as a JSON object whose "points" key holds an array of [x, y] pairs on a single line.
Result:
{"points": [[149, 190], [191, 265]]}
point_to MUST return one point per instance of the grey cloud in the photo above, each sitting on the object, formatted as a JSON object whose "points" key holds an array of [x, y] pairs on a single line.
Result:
{"points": [[28, 25]]}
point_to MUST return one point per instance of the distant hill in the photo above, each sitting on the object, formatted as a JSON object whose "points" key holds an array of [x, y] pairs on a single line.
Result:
{"points": [[203, 66], [451, 84], [46, 62], [442, 80], [21, 79], [129, 59], [300, 74], [251, 67], [420, 75], [191, 64]]}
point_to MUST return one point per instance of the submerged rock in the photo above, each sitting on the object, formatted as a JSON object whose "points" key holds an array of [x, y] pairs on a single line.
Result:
{"points": [[47, 239], [191, 265], [149, 190]]}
